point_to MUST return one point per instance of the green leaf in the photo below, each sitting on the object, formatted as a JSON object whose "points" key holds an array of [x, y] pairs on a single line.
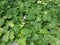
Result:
{"points": [[2, 43], [10, 42], [11, 35], [43, 31], [10, 24], [31, 16], [1, 31], [1, 21], [21, 41], [35, 37], [5, 38], [32, 43]]}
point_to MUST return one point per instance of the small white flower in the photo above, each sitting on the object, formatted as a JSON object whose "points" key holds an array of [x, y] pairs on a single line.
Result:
{"points": [[14, 43], [24, 17]]}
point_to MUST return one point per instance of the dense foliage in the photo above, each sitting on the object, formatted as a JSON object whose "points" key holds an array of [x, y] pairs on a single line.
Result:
{"points": [[29, 22]]}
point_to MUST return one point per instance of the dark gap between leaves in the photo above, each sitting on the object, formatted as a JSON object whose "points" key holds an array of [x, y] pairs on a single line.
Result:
{"points": [[49, 44]]}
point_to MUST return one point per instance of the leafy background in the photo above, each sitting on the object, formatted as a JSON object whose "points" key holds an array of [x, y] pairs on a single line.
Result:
{"points": [[30, 22]]}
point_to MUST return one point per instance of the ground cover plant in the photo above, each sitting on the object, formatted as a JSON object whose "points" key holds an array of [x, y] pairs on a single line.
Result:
{"points": [[29, 22]]}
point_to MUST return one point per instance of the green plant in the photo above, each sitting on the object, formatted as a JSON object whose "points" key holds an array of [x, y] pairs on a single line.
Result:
{"points": [[29, 22]]}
